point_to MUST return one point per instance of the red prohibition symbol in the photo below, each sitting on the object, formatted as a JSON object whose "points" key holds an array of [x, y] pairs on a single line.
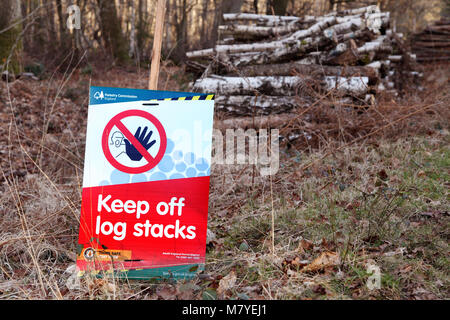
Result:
{"points": [[117, 121]]}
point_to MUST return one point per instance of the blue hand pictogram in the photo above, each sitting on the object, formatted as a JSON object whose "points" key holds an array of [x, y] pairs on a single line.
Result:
{"points": [[143, 139]]}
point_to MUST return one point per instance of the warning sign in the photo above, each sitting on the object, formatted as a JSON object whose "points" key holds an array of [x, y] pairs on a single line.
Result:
{"points": [[135, 145], [145, 191]]}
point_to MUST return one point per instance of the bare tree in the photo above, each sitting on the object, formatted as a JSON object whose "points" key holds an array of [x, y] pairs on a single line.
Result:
{"points": [[10, 40], [180, 23], [203, 32], [231, 6], [111, 30], [132, 50], [446, 9], [277, 7]]}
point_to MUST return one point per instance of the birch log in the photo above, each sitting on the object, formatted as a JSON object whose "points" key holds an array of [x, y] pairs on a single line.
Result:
{"points": [[264, 46], [262, 102], [326, 25], [344, 27], [276, 121], [293, 59], [256, 104], [354, 86], [297, 49], [368, 9], [273, 85], [262, 18], [278, 85], [315, 70], [272, 20], [372, 45], [250, 32]]}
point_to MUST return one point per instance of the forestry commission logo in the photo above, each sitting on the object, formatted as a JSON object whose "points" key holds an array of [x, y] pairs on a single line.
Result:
{"points": [[89, 254], [99, 95]]}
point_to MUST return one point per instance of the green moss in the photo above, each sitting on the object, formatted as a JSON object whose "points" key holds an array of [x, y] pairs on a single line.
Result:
{"points": [[10, 46], [365, 59]]}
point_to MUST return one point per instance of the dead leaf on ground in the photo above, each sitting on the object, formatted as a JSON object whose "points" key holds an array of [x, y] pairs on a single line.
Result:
{"points": [[352, 205], [319, 289], [304, 245], [398, 251], [329, 246], [405, 269], [324, 261], [226, 283], [294, 263], [421, 173], [187, 291], [382, 175], [166, 292], [396, 162], [101, 285], [299, 263]]}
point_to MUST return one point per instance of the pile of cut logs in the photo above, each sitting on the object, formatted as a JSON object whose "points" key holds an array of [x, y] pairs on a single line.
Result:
{"points": [[266, 64], [433, 44]]}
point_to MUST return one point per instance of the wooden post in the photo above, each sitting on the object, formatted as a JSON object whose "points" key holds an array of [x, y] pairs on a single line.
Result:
{"points": [[157, 41]]}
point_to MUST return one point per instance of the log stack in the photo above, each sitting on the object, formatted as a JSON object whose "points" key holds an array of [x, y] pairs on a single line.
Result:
{"points": [[264, 64], [433, 43]]}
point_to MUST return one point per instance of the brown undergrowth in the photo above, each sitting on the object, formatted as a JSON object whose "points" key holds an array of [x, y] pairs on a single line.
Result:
{"points": [[359, 187]]}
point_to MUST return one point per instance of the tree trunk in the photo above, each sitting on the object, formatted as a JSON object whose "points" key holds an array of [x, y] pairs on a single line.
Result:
{"points": [[229, 6], [141, 28], [180, 23], [62, 25], [50, 23], [203, 32], [446, 9], [10, 43], [132, 51], [255, 6], [277, 7], [168, 28], [111, 30]]}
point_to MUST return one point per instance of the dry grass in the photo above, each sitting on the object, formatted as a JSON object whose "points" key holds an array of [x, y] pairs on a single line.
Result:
{"points": [[369, 185]]}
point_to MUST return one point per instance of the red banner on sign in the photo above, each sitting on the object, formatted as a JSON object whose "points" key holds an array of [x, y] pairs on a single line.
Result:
{"points": [[144, 225]]}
